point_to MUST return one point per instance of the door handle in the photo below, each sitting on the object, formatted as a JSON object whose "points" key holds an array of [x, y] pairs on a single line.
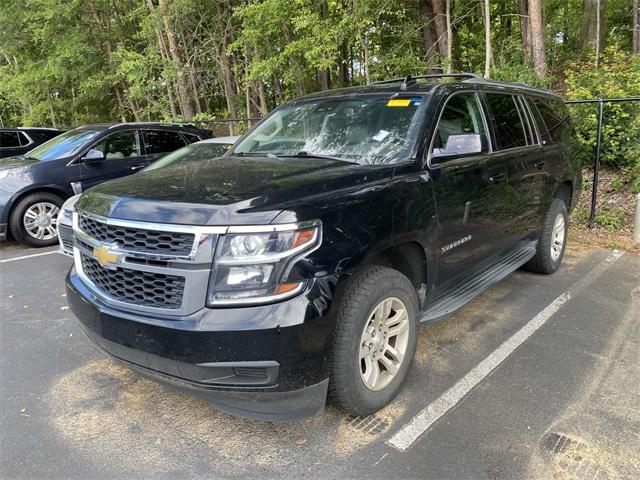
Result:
{"points": [[496, 177], [137, 167], [540, 164]]}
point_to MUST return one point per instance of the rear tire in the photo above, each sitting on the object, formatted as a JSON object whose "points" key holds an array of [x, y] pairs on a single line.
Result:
{"points": [[552, 241], [34, 216], [376, 326]]}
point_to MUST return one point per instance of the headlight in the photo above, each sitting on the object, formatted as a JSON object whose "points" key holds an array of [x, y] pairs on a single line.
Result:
{"points": [[253, 267], [66, 211]]}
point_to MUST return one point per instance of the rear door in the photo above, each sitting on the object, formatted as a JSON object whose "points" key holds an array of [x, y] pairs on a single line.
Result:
{"points": [[158, 143], [123, 155], [517, 142], [468, 191]]}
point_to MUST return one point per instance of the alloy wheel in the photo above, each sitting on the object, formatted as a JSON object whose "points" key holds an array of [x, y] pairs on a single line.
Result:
{"points": [[40, 220], [557, 237], [383, 343]]}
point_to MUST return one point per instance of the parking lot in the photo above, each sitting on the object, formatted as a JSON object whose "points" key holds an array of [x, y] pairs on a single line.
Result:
{"points": [[537, 378]]}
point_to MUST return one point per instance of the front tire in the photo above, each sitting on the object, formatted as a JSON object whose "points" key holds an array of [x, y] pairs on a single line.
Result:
{"points": [[34, 219], [552, 241], [375, 341]]}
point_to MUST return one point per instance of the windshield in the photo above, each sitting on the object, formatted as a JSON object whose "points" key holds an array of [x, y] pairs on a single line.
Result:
{"points": [[190, 153], [63, 145], [367, 130]]}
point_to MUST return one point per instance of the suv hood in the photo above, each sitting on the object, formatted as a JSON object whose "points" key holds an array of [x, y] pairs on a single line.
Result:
{"points": [[226, 190]]}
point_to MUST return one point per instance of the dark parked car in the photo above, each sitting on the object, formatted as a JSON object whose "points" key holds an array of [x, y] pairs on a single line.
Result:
{"points": [[301, 263], [34, 186], [18, 141]]}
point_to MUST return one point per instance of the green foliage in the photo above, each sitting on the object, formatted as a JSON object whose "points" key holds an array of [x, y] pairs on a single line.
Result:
{"points": [[617, 76], [79, 61]]}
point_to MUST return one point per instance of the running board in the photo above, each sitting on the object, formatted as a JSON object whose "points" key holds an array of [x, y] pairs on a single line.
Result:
{"points": [[462, 291]]}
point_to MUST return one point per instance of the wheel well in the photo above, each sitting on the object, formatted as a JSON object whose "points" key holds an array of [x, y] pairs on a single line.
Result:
{"points": [[31, 192], [565, 193], [407, 258]]}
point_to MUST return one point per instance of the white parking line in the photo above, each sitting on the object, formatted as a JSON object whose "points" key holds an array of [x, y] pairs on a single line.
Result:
{"points": [[408, 434], [23, 257]]}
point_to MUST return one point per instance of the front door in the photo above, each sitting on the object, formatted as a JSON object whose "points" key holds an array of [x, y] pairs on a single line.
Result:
{"points": [[122, 156], [468, 191]]}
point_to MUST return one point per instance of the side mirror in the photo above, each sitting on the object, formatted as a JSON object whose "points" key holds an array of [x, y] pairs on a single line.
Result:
{"points": [[462, 145], [93, 155]]}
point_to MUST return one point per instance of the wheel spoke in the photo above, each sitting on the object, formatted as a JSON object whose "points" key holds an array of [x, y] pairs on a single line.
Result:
{"points": [[364, 350], [51, 232], [30, 214], [40, 233], [394, 354], [389, 365], [399, 328], [372, 373], [398, 316]]}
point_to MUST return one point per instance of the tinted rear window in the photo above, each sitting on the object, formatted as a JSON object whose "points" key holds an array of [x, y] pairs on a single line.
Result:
{"points": [[507, 122], [158, 141], [556, 118], [9, 139], [191, 138]]}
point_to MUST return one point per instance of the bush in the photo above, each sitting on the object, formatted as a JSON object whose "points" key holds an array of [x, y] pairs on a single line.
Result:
{"points": [[617, 76]]}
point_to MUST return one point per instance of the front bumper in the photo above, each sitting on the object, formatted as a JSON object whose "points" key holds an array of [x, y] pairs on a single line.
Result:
{"points": [[267, 362]]}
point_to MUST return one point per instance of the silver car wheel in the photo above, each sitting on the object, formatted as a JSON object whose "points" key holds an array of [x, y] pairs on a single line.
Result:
{"points": [[40, 220], [557, 237], [383, 343]]}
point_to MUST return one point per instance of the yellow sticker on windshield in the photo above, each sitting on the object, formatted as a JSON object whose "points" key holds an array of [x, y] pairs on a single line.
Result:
{"points": [[399, 102]]}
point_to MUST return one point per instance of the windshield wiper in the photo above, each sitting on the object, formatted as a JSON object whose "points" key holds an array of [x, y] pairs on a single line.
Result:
{"points": [[305, 154]]}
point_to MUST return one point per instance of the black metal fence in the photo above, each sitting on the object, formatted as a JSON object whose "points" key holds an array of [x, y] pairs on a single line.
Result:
{"points": [[596, 165]]}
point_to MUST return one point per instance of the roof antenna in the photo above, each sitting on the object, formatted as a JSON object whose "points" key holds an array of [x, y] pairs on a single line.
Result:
{"points": [[408, 81]]}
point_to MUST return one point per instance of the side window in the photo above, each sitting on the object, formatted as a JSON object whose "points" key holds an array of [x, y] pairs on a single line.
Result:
{"points": [[24, 140], [119, 145], [460, 115], [9, 140], [508, 124], [556, 117], [161, 141], [191, 138]]}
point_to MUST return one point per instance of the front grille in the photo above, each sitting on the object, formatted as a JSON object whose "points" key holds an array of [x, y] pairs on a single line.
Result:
{"points": [[138, 240], [133, 286], [66, 237]]}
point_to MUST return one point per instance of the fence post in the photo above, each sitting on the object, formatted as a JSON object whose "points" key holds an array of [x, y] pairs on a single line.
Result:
{"points": [[596, 167]]}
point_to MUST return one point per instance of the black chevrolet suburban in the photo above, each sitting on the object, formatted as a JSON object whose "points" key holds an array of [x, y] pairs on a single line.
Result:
{"points": [[300, 264]]}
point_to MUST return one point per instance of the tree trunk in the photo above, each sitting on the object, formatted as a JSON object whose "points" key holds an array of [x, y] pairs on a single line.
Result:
{"points": [[537, 38], [449, 38], [165, 58], [183, 90], [636, 26], [593, 21], [440, 21], [525, 30], [486, 14], [428, 33]]}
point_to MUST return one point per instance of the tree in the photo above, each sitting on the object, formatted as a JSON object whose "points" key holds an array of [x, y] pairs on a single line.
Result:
{"points": [[537, 38]]}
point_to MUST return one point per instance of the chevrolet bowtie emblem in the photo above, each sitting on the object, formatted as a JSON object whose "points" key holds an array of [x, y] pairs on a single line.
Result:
{"points": [[105, 256]]}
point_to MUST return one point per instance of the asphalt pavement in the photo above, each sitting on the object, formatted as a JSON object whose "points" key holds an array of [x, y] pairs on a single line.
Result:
{"points": [[539, 377]]}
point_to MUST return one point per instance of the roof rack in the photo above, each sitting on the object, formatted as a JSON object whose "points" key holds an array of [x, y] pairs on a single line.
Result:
{"points": [[173, 124], [410, 80]]}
